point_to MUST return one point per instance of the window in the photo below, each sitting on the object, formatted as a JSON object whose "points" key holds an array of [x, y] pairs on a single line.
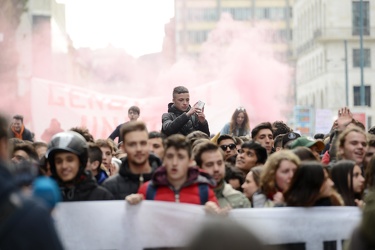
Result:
{"points": [[260, 13], [357, 95], [356, 18], [229, 10], [267, 13], [197, 36], [209, 14], [242, 14], [366, 58], [277, 13]]}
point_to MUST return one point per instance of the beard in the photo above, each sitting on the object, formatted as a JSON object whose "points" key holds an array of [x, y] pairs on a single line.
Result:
{"points": [[139, 163]]}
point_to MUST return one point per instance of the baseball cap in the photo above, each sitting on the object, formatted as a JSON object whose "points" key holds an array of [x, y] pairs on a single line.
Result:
{"points": [[307, 142], [291, 136]]}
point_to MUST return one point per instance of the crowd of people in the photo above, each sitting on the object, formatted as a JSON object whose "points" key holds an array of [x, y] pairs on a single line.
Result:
{"points": [[269, 165]]}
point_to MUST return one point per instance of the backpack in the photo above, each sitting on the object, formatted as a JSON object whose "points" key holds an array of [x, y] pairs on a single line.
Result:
{"points": [[202, 187]]}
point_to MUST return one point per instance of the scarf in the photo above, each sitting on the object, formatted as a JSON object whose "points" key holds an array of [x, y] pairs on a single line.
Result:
{"points": [[16, 134]]}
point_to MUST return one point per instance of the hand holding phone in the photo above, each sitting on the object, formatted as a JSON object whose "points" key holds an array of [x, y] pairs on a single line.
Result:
{"points": [[199, 105]]}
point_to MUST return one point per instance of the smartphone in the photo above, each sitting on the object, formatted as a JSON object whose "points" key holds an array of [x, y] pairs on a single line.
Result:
{"points": [[200, 105]]}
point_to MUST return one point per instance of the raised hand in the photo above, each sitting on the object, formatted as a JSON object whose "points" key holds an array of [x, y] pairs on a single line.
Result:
{"points": [[345, 117], [200, 114], [278, 198]]}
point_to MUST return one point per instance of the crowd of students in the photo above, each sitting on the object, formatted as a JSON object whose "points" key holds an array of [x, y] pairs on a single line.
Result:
{"points": [[266, 166]]}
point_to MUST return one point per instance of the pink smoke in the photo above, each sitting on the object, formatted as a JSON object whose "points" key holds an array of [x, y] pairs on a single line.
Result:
{"points": [[237, 67], [238, 56]]}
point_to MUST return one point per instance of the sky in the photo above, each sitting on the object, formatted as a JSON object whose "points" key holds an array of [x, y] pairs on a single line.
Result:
{"points": [[135, 25]]}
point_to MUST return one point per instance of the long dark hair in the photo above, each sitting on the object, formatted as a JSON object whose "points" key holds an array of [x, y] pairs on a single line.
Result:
{"points": [[340, 172], [370, 174], [304, 189], [245, 127], [304, 154]]}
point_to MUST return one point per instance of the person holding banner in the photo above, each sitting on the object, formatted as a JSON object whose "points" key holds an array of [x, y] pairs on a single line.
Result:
{"points": [[178, 181], [252, 183], [210, 158], [349, 182], [67, 155], [138, 165], [311, 186], [277, 175]]}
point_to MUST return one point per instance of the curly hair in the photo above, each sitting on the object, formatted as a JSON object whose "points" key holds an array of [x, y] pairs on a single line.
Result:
{"points": [[267, 179], [245, 126], [84, 132], [279, 127]]}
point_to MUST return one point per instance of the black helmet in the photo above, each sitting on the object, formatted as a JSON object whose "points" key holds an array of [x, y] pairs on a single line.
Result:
{"points": [[67, 141]]}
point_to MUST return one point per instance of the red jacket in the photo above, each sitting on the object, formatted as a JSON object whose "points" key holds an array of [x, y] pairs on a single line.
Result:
{"points": [[326, 158], [188, 193]]}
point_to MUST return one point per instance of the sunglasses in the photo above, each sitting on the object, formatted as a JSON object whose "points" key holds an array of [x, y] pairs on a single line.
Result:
{"points": [[241, 109], [230, 146]]}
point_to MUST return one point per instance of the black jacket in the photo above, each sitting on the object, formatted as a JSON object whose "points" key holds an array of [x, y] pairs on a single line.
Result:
{"points": [[125, 182], [116, 133], [26, 224], [86, 189], [26, 135], [177, 122]]}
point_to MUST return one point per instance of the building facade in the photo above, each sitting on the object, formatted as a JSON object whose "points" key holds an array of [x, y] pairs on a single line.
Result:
{"points": [[42, 43], [196, 18], [326, 45]]}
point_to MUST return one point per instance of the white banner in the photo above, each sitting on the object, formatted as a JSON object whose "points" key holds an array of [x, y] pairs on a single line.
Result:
{"points": [[151, 224], [323, 121], [73, 106]]}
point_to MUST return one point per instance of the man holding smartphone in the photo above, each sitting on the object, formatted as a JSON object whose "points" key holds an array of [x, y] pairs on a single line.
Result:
{"points": [[183, 118]]}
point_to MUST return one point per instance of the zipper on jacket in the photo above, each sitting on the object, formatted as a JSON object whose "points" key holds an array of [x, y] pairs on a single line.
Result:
{"points": [[177, 197], [141, 179]]}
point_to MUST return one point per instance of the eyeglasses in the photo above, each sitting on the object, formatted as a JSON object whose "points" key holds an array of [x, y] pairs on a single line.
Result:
{"points": [[241, 109], [230, 146]]}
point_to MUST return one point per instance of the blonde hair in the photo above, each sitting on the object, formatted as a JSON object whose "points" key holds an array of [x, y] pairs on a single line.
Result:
{"points": [[342, 138], [267, 179]]}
